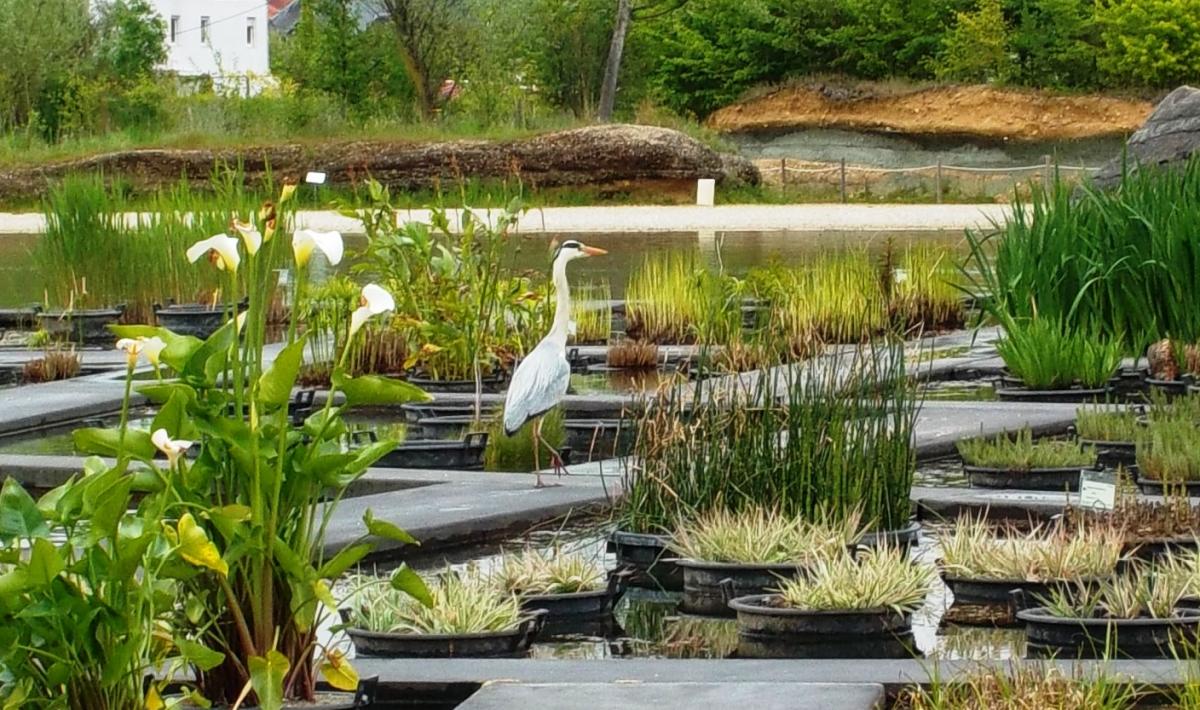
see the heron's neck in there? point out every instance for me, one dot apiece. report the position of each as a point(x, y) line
point(562, 309)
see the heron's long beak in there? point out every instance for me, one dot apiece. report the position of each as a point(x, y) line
point(593, 251)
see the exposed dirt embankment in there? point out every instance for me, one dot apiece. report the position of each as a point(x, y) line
point(960, 111)
point(593, 156)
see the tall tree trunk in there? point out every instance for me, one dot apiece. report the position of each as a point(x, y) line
point(612, 68)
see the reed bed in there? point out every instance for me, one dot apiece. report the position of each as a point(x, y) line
point(1045, 353)
point(877, 578)
point(1024, 453)
point(974, 549)
point(551, 572)
point(671, 298)
point(836, 298)
point(831, 436)
point(1120, 263)
point(759, 536)
point(463, 603)
point(591, 307)
point(928, 290)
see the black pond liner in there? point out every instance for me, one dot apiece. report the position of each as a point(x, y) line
point(1049, 635)
point(1113, 454)
point(648, 559)
point(195, 319)
point(905, 538)
point(1155, 487)
point(579, 612)
point(1072, 395)
point(766, 630)
point(87, 326)
point(1037, 479)
point(19, 318)
point(708, 586)
point(491, 383)
point(513, 643)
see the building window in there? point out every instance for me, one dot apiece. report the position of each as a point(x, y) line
point(250, 31)
point(174, 27)
point(204, 36)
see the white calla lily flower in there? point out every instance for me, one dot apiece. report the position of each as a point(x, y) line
point(132, 348)
point(152, 348)
point(305, 240)
point(221, 249)
point(251, 237)
point(172, 448)
point(375, 300)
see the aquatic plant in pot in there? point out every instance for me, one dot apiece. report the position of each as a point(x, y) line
point(1021, 462)
point(592, 313)
point(1168, 456)
point(1149, 528)
point(734, 554)
point(982, 563)
point(846, 606)
point(575, 591)
point(1171, 366)
point(262, 490)
point(1134, 615)
point(463, 615)
point(1053, 362)
point(1111, 432)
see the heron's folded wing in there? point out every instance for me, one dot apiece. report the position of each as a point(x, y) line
point(538, 384)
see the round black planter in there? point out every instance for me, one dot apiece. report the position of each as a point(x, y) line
point(1171, 388)
point(905, 538)
point(1154, 487)
point(194, 319)
point(19, 318)
point(1038, 479)
point(708, 586)
point(1013, 594)
point(647, 557)
point(415, 412)
point(766, 630)
point(1113, 454)
point(1049, 635)
point(577, 613)
point(89, 327)
point(463, 455)
point(513, 643)
point(491, 383)
point(1075, 394)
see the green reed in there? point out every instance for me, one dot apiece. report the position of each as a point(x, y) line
point(832, 435)
point(515, 453)
point(671, 298)
point(1169, 450)
point(1097, 424)
point(591, 311)
point(1023, 453)
point(1045, 353)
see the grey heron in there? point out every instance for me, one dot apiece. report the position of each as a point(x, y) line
point(541, 379)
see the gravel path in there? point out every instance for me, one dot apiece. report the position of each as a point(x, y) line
point(723, 218)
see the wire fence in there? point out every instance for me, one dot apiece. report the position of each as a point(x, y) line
point(848, 178)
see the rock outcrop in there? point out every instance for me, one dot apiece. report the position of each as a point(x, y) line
point(1168, 137)
point(595, 155)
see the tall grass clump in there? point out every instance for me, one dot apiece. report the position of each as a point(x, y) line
point(974, 549)
point(1119, 263)
point(1096, 424)
point(1169, 451)
point(1024, 686)
point(1148, 591)
point(760, 536)
point(831, 436)
point(465, 603)
point(551, 572)
point(837, 297)
point(1045, 353)
point(591, 307)
point(877, 578)
point(671, 298)
point(515, 453)
point(927, 290)
point(1023, 453)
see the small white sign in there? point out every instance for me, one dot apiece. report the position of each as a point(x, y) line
point(315, 178)
point(1097, 490)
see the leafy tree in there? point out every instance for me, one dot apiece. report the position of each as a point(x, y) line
point(42, 44)
point(131, 39)
point(875, 39)
point(1150, 42)
point(427, 37)
point(567, 42)
point(1053, 43)
point(977, 49)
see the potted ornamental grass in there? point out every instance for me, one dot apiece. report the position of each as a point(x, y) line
point(1168, 457)
point(1049, 361)
point(1149, 528)
point(1133, 615)
point(464, 615)
point(1112, 432)
point(982, 564)
point(575, 591)
point(1021, 462)
point(750, 551)
point(845, 606)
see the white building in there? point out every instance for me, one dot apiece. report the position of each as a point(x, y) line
point(222, 39)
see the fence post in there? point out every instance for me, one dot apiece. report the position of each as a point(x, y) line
point(1046, 174)
point(783, 173)
point(937, 182)
point(843, 180)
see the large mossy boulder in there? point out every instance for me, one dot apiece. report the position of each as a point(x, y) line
point(614, 154)
point(1168, 137)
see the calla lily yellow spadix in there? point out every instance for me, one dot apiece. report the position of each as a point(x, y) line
point(251, 237)
point(304, 241)
point(221, 249)
point(171, 448)
point(375, 300)
point(132, 348)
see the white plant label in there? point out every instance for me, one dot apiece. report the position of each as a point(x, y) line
point(315, 178)
point(1097, 490)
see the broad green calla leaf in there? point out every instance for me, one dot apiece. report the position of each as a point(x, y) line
point(404, 579)
point(338, 672)
point(161, 392)
point(19, 514)
point(375, 390)
point(266, 677)
point(384, 529)
point(346, 558)
point(45, 563)
point(173, 417)
point(198, 654)
point(275, 385)
point(196, 548)
point(107, 442)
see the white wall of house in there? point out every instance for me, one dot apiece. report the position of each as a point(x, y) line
point(223, 39)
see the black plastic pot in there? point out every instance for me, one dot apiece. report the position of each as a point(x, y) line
point(491, 383)
point(89, 327)
point(463, 455)
point(581, 612)
point(648, 560)
point(1038, 479)
point(709, 586)
point(415, 412)
point(1075, 394)
point(602, 438)
point(1171, 388)
point(767, 630)
point(513, 643)
point(1012, 594)
point(1154, 487)
point(1113, 454)
point(1049, 635)
point(905, 538)
point(19, 318)
point(196, 319)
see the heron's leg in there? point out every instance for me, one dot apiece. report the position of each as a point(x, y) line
point(555, 457)
point(537, 438)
